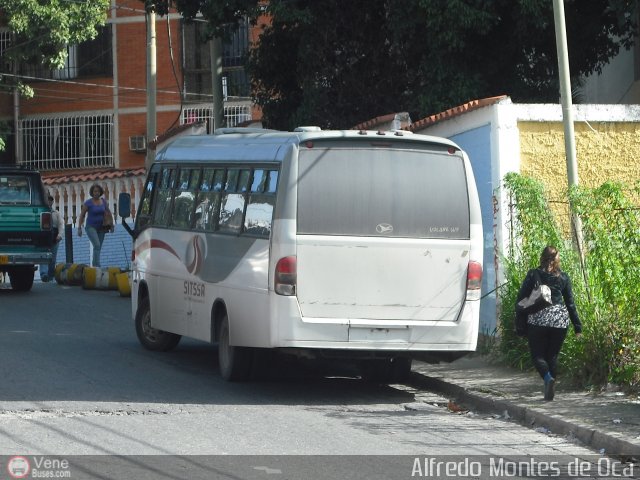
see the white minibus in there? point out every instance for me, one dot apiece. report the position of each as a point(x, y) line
point(359, 246)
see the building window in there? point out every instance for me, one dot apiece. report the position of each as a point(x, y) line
point(5, 43)
point(67, 142)
point(92, 58)
point(197, 64)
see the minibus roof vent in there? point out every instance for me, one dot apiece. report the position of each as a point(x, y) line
point(308, 129)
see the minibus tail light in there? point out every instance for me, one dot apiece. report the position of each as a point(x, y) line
point(474, 280)
point(285, 277)
point(45, 221)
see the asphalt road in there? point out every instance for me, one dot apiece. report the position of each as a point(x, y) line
point(76, 382)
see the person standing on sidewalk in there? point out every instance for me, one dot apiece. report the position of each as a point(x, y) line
point(547, 328)
point(47, 271)
point(95, 210)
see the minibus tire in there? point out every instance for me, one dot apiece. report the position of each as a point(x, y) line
point(388, 370)
point(234, 362)
point(400, 369)
point(152, 338)
point(21, 278)
point(376, 371)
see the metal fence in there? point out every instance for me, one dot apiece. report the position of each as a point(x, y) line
point(561, 212)
point(62, 143)
point(233, 115)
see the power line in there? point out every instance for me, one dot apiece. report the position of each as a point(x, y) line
point(87, 84)
point(103, 99)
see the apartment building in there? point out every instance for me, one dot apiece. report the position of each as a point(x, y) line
point(87, 121)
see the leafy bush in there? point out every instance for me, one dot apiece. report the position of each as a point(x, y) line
point(606, 279)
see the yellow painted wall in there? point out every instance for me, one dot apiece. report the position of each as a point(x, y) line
point(605, 151)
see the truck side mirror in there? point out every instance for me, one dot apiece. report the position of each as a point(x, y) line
point(124, 205)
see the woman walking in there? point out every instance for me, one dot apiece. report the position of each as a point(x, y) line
point(95, 209)
point(547, 328)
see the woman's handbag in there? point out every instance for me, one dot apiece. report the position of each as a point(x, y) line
point(107, 222)
point(538, 299)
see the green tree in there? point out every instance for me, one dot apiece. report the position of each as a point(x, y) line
point(218, 15)
point(334, 63)
point(42, 30)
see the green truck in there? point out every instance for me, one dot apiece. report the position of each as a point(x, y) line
point(26, 234)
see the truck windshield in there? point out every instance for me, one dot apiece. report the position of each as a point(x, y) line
point(15, 189)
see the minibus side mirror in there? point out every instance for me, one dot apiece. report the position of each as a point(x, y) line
point(124, 210)
point(124, 205)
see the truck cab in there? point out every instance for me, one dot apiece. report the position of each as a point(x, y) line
point(26, 234)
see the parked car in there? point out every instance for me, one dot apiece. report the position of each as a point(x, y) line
point(26, 234)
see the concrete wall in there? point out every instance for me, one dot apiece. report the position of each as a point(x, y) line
point(605, 150)
point(529, 138)
point(478, 141)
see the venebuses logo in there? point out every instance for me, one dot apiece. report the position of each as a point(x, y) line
point(38, 467)
point(18, 467)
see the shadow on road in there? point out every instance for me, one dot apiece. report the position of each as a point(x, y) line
point(62, 344)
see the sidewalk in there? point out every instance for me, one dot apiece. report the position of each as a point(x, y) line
point(608, 422)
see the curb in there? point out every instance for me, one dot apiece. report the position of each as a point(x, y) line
point(531, 418)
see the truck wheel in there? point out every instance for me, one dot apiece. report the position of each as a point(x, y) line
point(235, 362)
point(152, 338)
point(21, 278)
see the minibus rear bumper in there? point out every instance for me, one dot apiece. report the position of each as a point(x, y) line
point(409, 336)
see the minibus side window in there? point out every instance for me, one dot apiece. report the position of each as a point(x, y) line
point(208, 199)
point(162, 207)
point(144, 215)
point(233, 201)
point(218, 180)
point(262, 199)
point(184, 198)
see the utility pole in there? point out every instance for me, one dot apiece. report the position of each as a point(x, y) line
point(565, 92)
point(17, 150)
point(215, 52)
point(151, 82)
point(567, 116)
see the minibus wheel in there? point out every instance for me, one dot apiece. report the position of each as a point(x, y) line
point(152, 338)
point(388, 370)
point(235, 362)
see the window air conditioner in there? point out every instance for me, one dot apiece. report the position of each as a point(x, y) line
point(137, 143)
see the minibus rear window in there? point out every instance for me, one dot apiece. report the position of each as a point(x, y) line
point(382, 192)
